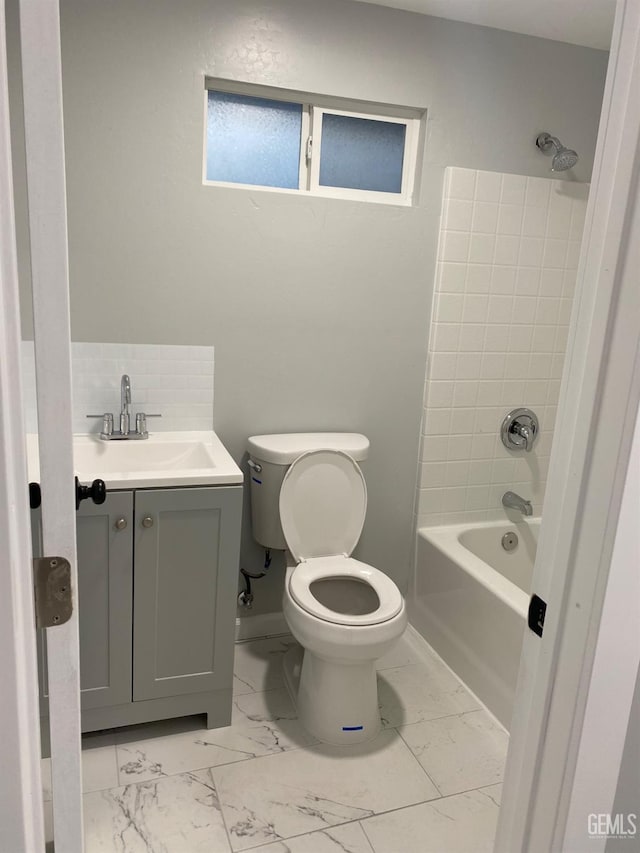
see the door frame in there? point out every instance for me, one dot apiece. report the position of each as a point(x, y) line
point(599, 401)
point(590, 457)
point(46, 195)
point(21, 812)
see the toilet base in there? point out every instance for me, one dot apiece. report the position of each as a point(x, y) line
point(336, 702)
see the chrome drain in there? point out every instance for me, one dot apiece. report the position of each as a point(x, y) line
point(510, 541)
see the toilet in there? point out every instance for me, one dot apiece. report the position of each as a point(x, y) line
point(309, 497)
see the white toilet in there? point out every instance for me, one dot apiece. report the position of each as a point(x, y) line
point(308, 496)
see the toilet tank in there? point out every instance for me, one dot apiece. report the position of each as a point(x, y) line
point(269, 459)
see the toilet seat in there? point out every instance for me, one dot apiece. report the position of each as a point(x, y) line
point(323, 503)
point(341, 566)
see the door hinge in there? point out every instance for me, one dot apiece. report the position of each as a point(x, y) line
point(535, 617)
point(52, 584)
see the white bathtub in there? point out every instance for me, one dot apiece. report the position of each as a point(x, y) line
point(470, 603)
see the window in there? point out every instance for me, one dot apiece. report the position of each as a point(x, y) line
point(272, 139)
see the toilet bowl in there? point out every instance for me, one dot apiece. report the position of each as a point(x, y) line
point(343, 612)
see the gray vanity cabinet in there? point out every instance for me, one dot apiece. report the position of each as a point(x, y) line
point(104, 543)
point(185, 594)
point(157, 587)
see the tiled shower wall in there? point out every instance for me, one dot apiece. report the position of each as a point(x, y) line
point(174, 381)
point(506, 273)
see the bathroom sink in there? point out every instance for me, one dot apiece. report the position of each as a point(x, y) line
point(164, 459)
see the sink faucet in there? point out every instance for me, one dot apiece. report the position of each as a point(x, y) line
point(108, 433)
point(513, 501)
point(125, 402)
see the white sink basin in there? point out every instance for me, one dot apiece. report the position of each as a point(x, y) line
point(164, 459)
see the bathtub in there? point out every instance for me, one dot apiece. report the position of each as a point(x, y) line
point(470, 603)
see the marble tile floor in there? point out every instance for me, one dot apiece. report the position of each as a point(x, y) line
point(429, 783)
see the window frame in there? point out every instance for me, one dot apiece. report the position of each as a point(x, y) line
point(408, 160)
point(313, 108)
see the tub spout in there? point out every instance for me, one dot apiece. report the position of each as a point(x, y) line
point(513, 501)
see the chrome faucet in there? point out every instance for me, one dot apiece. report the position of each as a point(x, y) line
point(108, 433)
point(513, 501)
point(125, 402)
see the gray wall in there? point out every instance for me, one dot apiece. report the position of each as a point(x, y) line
point(318, 308)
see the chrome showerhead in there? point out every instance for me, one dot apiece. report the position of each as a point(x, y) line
point(563, 159)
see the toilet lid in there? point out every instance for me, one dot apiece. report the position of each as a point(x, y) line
point(379, 600)
point(323, 502)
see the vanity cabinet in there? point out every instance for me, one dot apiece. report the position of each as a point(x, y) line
point(157, 586)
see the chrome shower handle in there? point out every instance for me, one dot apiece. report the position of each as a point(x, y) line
point(519, 430)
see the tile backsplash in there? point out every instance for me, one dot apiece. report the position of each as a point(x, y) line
point(507, 259)
point(174, 381)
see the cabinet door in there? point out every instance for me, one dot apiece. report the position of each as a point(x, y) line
point(185, 585)
point(105, 587)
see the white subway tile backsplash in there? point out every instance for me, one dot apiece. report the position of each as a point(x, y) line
point(505, 281)
point(174, 381)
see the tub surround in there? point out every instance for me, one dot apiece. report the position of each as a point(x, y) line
point(507, 259)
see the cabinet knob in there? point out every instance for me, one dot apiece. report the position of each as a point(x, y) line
point(147, 521)
point(121, 523)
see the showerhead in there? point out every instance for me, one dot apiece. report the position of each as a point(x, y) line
point(563, 159)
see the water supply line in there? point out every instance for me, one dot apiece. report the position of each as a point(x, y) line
point(245, 598)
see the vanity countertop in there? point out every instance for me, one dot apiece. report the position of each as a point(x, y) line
point(165, 459)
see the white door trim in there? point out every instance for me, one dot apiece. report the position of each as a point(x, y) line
point(44, 143)
point(613, 680)
point(598, 405)
point(21, 820)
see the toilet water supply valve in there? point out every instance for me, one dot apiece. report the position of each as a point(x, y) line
point(245, 598)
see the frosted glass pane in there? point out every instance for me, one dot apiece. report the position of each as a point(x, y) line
point(253, 140)
point(361, 153)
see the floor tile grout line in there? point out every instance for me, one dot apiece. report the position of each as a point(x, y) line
point(221, 810)
point(415, 757)
point(214, 766)
point(432, 719)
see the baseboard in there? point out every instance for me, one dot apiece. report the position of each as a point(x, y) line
point(255, 627)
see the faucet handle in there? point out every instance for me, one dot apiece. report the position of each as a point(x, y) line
point(107, 423)
point(519, 430)
point(141, 422)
